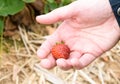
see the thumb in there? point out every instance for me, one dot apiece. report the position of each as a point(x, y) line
point(56, 15)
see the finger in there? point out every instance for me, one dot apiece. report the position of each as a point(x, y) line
point(48, 63)
point(64, 64)
point(75, 54)
point(56, 15)
point(74, 57)
point(83, 61)
point(45, 48)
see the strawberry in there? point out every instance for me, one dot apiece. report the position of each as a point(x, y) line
point(60, 50)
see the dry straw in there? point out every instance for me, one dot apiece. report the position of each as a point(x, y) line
point(21, 65)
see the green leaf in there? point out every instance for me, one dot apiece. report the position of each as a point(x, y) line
point(53, 6)
point(1, 25)
point(10, 7)
point(65, 2)
point(46, 9)
point(51, 1)
point(28, 1)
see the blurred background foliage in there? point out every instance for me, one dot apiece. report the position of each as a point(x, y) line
point(23, 12)
point(52, 4)
point(9, 8)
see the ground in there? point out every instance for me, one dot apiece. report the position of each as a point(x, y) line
point(19, 63)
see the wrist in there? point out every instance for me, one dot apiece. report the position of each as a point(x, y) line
point(115, 5)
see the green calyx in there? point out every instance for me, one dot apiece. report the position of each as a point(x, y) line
point(62, 42)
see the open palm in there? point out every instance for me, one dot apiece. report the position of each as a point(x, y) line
point(88, 35)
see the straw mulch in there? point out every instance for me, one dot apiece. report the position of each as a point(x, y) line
point(20, 65)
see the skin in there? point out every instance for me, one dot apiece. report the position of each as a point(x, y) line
point(88, 27)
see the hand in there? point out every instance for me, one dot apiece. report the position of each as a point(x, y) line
point(89, 28)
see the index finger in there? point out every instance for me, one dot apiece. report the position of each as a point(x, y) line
point(45, 48)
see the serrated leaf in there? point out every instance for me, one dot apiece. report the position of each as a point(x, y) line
point(28, 1)
point(10, 7)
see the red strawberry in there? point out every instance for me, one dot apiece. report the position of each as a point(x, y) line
point(60, 51)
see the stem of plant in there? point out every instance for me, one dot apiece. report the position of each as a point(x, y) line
point(1, 41)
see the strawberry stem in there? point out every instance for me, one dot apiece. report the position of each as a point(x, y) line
point(62, 42)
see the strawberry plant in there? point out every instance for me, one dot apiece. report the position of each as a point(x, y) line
point(9, 7)
point(11, 12)
point(52, 4)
